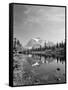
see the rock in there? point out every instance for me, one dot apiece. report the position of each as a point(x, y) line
point(58, 69)
point(58, 79)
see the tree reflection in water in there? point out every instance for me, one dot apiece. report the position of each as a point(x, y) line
point(39, 69)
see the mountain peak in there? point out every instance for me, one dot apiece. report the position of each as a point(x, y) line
point(37, 39)
point(34, 42)
point(37, 42)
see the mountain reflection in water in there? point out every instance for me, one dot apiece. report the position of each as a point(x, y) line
point(41, 69)
point(49, 69)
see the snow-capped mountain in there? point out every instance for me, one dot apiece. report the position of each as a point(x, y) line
point(34, 43)
point(37, 42)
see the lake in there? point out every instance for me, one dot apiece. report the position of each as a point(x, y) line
point(40, 69)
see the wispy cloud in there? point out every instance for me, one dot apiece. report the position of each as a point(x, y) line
point(41, 15)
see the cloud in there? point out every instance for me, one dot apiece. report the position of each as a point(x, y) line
point(41, 15)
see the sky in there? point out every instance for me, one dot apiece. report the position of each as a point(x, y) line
point(45, 22)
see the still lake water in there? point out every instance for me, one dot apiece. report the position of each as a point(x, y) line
point(49, 69)
point(45, 70)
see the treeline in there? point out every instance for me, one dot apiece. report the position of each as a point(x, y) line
point(57, 50)
point(17, 46)
point(45, 47)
